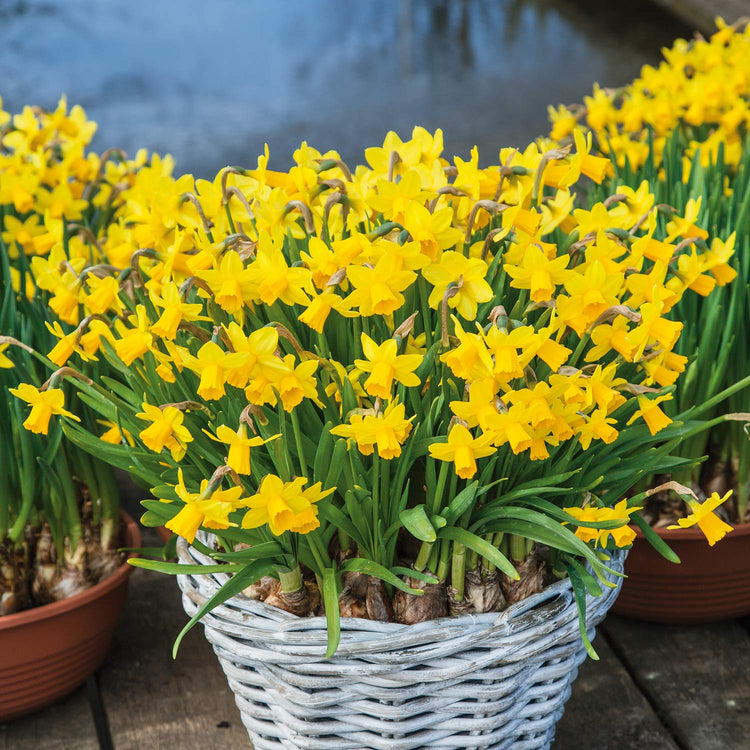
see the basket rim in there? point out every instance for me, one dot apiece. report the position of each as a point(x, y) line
point(515, 618)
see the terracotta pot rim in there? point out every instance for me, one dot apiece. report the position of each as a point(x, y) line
point(47, 611)
point(693, 533)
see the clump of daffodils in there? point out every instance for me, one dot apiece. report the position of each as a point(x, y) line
point(59, 514)
point(417, 387)
point(701, 88)
point(680, 132)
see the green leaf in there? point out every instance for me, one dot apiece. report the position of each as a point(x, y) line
point(338, 457)
point(340, 520)
point(481, 547)
point(370, 568)
point(323, 454)
point(557, 536)
point(654, 539)
point(417, 523)
point(333, 616)
point(460, 503)
point(256, 552)
point(438, 522)
point(237, 583)
point(426, 577)
point(165, 511)
point(579, 592)
point(177, 569)
point(151, 519)
point(592, 585)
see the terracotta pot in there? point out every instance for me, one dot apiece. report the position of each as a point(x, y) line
point(711, 583)
point(164, 533)
point(48, 651)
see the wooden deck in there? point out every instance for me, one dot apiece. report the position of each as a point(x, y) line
point(655, 688)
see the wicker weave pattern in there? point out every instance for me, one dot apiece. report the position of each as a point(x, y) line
point(496, 680)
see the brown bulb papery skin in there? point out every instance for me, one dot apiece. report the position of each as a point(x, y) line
point(456, 607)
point(378, 604)
point(531, 571)
point(261, 589)
point(46, 572)
point(14, 590)
point(483, 590)
point(71, 581)
point(410, 608)
point(353, 596)
point(482, 593)
point(305, 602)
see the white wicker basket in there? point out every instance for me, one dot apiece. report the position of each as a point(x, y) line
point(497, 680)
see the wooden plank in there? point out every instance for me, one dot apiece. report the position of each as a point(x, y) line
point(157, 703)
point(607, 711)
point(66, 724)
point(697, 677)
point(700, 14)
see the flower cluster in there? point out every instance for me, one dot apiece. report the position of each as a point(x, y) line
point(56, 199)
point(308, 361)
point(701, 87)
point(680, 132)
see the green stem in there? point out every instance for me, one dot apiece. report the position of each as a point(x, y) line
point(443, 565)
point(458, 570)
point(291, 580)
point(432, 563)
point(423, 557)
point(437, 500)
point(298, 442)
point(578, 350)
point(717, 399)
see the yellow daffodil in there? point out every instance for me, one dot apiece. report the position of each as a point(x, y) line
point(133, 342)
point(102, 295)
point(239, 446)
point(113, 434)
point(467, 275)
point(590, 514)
point(174, 311)
point(622, 536)
point(703, 515)
point(5, 362)
point(165, 431)
point(387, 431)
point(385, 365)
point(274, 279)
point(284, 506)
point(203, 508)
point(213, 364)
point(653, 416)
point(298, 383)
point(43, 405)
point(231, 283)
point(433, 231)
point(463, 449)
point(539, 274)
point(377, 291)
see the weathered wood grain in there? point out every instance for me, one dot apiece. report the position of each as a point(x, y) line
point(606, 710)
point(697, 677)
point(62, 726)
point(157, 703)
